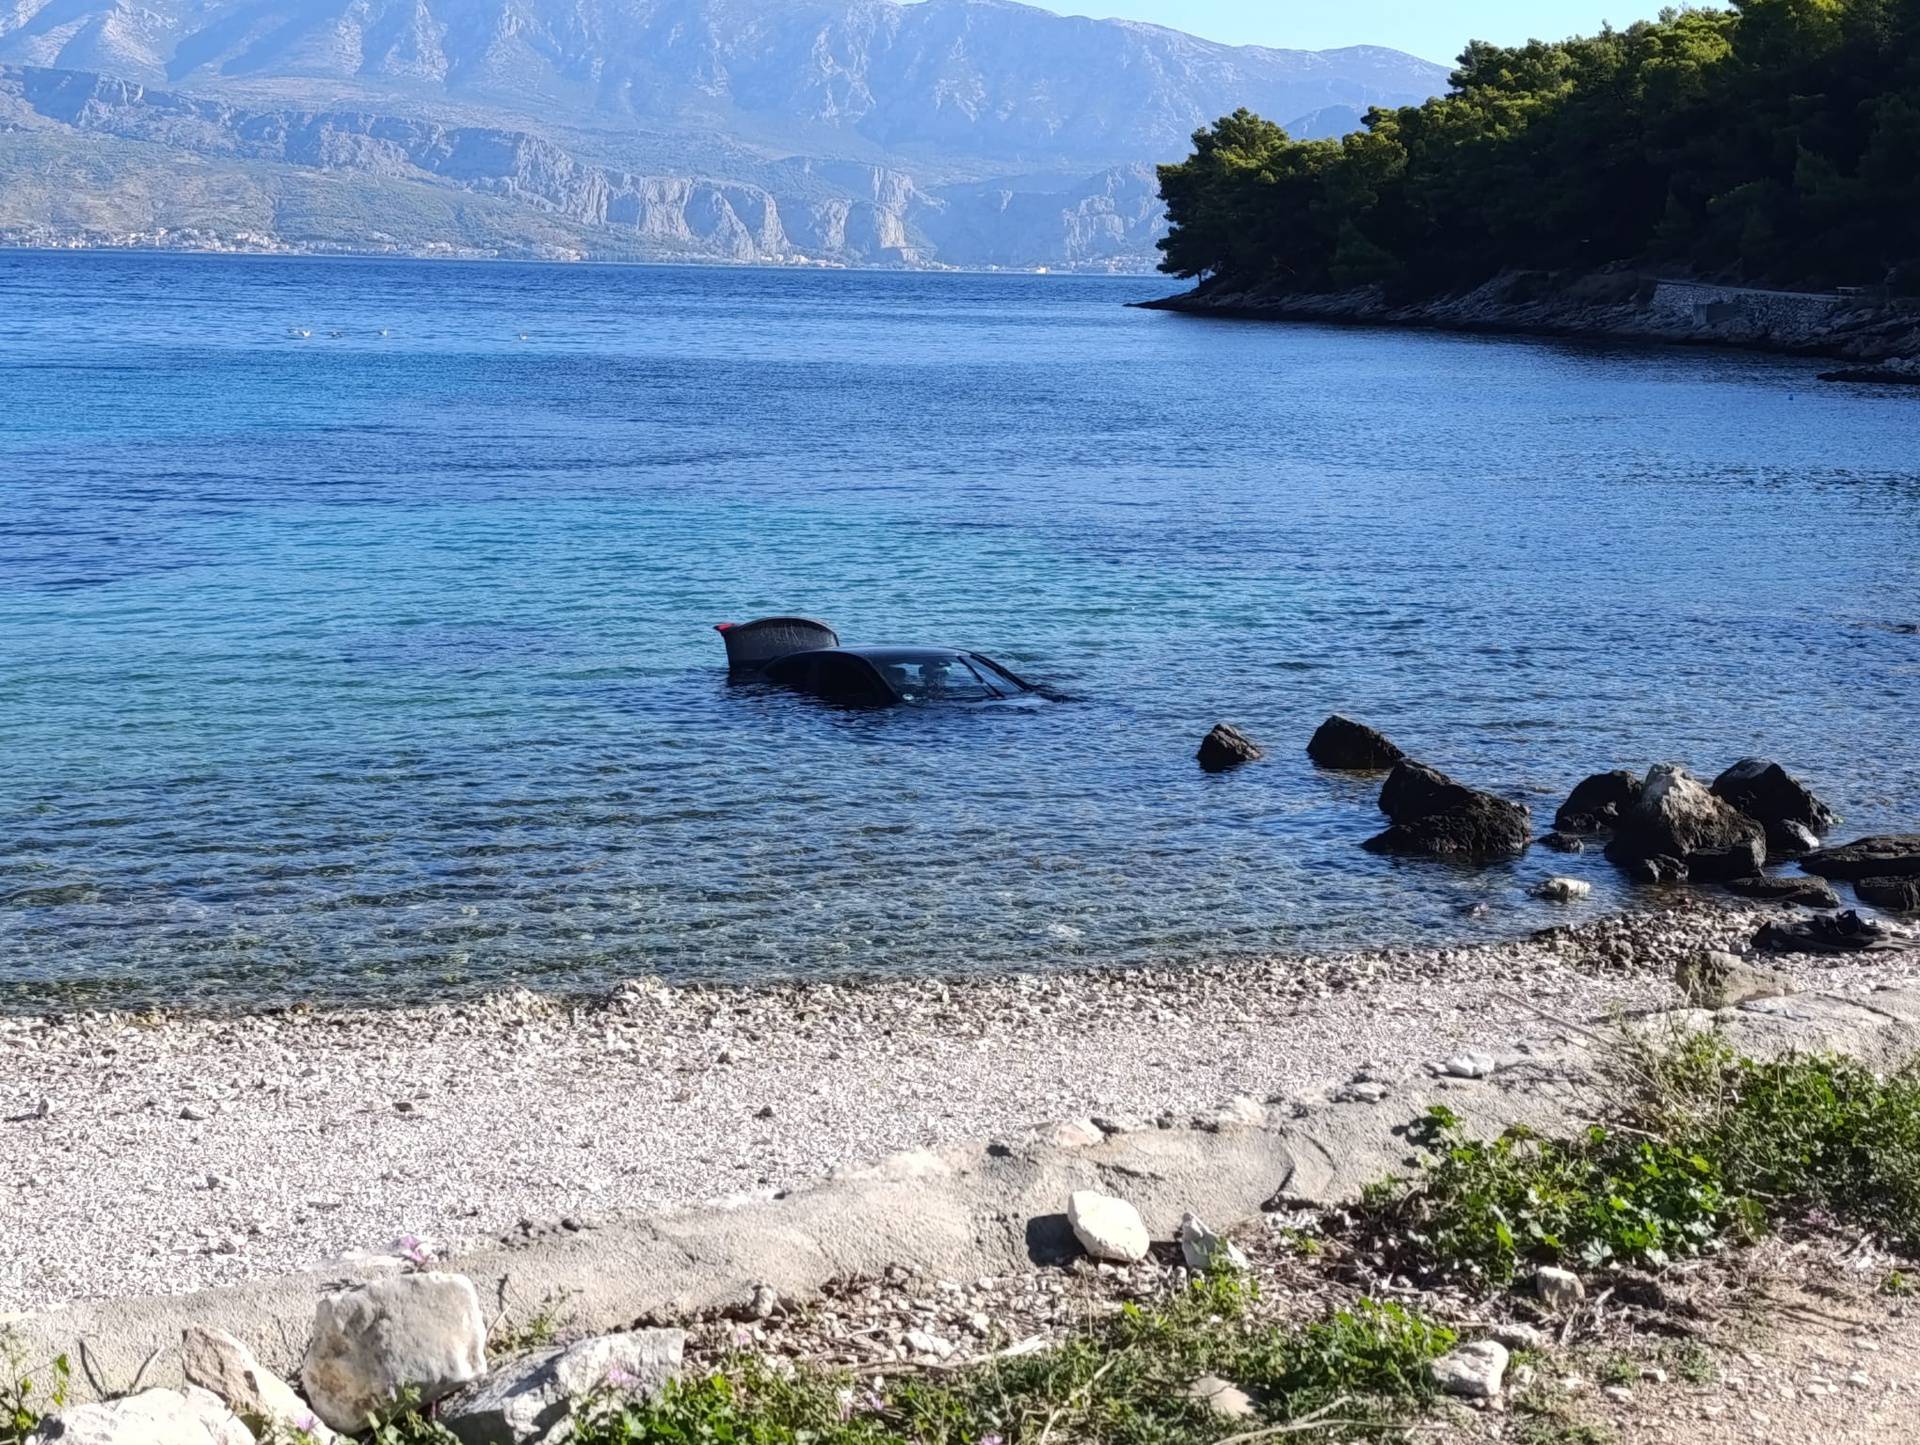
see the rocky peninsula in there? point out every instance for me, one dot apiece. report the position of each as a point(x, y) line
point(1881, 335)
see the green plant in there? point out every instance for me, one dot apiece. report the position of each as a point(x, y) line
point(1122, 1381)
point(20, 1411)
point(536, 1331)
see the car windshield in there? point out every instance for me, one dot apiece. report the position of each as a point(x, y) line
point(940, 677)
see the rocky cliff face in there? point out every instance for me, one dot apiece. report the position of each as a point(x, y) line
point(962, 132)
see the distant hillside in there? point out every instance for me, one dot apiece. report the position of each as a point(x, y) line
point(963, 132)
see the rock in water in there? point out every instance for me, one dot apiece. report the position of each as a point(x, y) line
point(1204, 1251)
point(1563, 890)
point(1888, 855)
point(222, 1364)
point(1474, 1371)
point(152, 1417)
point(1724, 980)
point(1563, 842)
point(1677, 817)
point(1826, 933)
point(1900, 895)
point(1107, 1228)
point(1435, 817)
point(1558, 1289)
point(1227, 747)
point(1793, 818)
point(1352, 747)
point(415, 1333)
point(1804, 892)
point(525, 1398)
point(1596, 802)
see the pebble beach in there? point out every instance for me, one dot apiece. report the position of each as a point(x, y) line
point(161, 1153)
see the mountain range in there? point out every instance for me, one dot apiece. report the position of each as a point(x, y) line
point(867, 132)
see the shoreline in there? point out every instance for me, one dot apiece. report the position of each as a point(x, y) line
point(157, 1154)
point(1599, 307)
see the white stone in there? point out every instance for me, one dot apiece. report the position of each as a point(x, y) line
point(1072, 1134)
point(1472, 1371)
point(1517, 1335)
point(420, 1334)
point(1563, 890)
point(153, 1417)
point(1107, 1228)
point(525, 1398)
point(1558, 1289)
point(224, 1365)
point(1469, 1065)
point(1223, 1397)
point(923, 1343)
point(1205, 1251)
point(1367, 1091)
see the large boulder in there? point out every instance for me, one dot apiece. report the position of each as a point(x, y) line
point(1793, 818)
point(224, 1365)
point(1352, 747)
point(1800, 891)
point(1844, 932)
point(414, 1335)
point(1434, 817)
point(1717, 980)
point(152, 1417)
point(1596, 802)
point(1898, 895)
point(525, 1398)
point(1227, 747)
point(1677, 817)
point(1887, 855)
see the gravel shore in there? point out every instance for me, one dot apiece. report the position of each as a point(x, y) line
point(147, 1153)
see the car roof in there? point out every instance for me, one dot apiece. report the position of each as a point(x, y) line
point(898, 653)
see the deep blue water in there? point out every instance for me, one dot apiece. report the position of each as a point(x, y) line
point(381, 664)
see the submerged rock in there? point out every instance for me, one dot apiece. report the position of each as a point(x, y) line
point(1563, 842)
point(1596, 802)
point(1435, 817)
point(1886, 855)
point(418, 1334)
point(1227, 747)
point(1719, 980)
point(1900, 895)
point(1792, 816)
point(1677, 817)
point(1349, 746)
point(1108, 1228)
point(1804, 892)
point(1563, 890)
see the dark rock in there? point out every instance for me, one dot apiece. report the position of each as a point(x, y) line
point(1805, 892)
point(1888, 855)
point(1342, 743)
point(1596, 803)
point(1826, 933)
point(1226, 747)
point(1901, 895)
point(1435, 817)
point(1658, 869)
point(1676, 817)
point(1793, 818)
point(1563, 843)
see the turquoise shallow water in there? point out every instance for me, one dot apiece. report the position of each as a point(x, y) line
point(374, 666)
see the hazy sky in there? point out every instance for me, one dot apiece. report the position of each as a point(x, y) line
point(1436, 29)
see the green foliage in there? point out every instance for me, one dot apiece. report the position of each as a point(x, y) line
point(22, 1400)
point(1123, 1382)
point(1714, 1147)
point(1779, 141)
point(1485, 1207)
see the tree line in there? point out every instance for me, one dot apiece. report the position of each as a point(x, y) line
point(1774, 143)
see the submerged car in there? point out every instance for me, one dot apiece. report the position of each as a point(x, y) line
point(806, 655)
